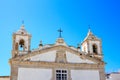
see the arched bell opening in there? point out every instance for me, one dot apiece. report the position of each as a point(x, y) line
point(95, 49)
point(21, 45)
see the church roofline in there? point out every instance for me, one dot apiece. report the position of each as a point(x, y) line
point(79, 53)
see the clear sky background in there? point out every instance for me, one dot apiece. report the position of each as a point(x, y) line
point(44, 17)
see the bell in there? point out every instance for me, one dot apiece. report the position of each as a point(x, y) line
point(21, 46)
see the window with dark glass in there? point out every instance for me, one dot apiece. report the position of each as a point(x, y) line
point(61, 74)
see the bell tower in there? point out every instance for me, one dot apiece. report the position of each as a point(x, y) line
point(92, 45)
point(21, 42)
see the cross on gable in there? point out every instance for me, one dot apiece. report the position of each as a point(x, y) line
point(60, 32)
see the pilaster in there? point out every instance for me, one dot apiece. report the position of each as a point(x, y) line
point(14, 72)
point(102, 74)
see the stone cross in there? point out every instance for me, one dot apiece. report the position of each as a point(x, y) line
point(60, 32)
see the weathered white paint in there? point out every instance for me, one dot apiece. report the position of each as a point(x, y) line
point(85, 47)
point(34, 74)
point(49, 57)
point(72, 58)
point(85, 75)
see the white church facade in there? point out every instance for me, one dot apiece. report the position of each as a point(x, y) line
point(58, 61)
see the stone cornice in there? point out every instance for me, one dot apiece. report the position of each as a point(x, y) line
point(32, 64)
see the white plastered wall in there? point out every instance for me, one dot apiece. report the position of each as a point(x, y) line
point(34, 74)
point(85, 75)
point(85, 47)
point(49, 57)
point(73, 58)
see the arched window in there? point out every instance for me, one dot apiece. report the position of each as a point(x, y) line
point(95, 49)
point(21, 44)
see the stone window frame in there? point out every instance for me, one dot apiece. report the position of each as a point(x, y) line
point(62, 74)
point(54, 73)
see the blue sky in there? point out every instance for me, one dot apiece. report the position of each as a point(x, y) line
point(44, 17)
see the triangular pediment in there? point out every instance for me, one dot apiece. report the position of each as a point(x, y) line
point(49, 55)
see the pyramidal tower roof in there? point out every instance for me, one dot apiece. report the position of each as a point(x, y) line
point(22, 30)
point(90, 36)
